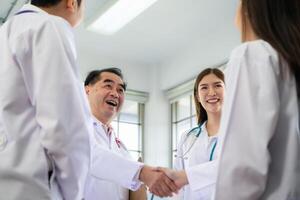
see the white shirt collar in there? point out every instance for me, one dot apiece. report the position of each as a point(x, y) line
point(98, 124)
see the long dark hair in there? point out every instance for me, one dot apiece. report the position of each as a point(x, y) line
point(200, 111)
point(278, 23)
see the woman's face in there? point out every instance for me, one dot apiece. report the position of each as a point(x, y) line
point(211, 93)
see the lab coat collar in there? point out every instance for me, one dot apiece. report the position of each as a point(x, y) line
point(41, 11)
point(34, 8)
point(98, 124)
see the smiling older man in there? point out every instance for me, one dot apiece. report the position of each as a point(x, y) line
point(105, 90)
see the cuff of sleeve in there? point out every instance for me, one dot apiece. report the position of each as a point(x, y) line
point(136, 183)
point(202, 175)
point(109, 166)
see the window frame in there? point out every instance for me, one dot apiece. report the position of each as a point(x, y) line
point(140, 98)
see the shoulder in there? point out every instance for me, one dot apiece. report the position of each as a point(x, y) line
point(41, 21)
point(258, 49)
point(255, 56)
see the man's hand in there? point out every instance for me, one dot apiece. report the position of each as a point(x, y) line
point(179, 177)
point(158, 182)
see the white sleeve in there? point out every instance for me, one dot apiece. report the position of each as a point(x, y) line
point(110, 166)
point(202, 175)
point(50, 74)
point(248, 121)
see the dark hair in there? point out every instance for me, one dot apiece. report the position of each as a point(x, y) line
point(200, 111)
point(95, 76)
point(278, 23)
point(48, 3)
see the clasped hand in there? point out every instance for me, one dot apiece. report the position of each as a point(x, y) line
point(162, 182)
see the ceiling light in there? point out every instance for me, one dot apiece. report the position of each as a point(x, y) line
point(118, 15)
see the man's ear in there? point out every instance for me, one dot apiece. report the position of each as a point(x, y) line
point(71, 5)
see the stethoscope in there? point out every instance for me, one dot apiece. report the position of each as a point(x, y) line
point(196, 134)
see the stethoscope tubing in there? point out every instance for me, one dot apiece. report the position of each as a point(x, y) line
point(183, 156)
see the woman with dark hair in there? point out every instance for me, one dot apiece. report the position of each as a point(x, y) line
point(260, 151)
point(196, 157)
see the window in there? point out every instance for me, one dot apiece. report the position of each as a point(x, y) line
point(183, 119)
point(129, 124)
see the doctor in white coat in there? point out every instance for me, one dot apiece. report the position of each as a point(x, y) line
point(196, 151)
point(45, 119)
point(105, 90)
point(260, 154)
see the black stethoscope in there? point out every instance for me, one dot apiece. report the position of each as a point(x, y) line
point(196, 132)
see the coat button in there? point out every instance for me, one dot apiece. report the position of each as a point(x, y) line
point(3, 141)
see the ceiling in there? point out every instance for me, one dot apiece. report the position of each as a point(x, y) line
point(163, 32)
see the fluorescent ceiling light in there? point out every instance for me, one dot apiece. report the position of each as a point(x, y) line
point(118, 15)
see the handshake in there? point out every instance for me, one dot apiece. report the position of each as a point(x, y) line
point(163, 182)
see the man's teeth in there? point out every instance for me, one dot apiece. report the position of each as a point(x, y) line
point(112, 103)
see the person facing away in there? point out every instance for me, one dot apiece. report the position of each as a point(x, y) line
point(196, 156)
point(260, 153)
point(44, 150)
point(45, 121)
point(105, 90)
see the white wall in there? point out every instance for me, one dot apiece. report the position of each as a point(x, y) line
point(187, 65)
point(137, 75)
point(157, 120)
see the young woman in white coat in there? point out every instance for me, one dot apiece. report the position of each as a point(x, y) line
point(196, 155)
point(260, 154)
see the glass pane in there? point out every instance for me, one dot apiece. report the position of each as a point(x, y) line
point(129, 112)
point(193, 105)
point(174, 153)
point(129, 134)
point(183, 108)
point(135, 155)
point(194, 121)
point(114, 124)
point(174, 137)
point(182, 127)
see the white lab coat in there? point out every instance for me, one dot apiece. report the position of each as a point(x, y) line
point(260, 153)
point(44, 115)
point(45, 121)
point(96, 188)
point(200, 171)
